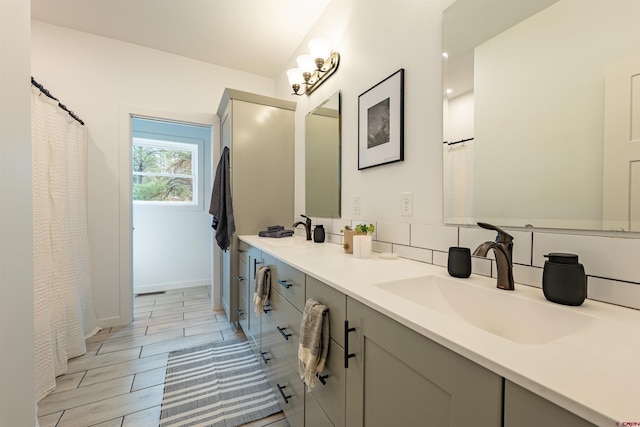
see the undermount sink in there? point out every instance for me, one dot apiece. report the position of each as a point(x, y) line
point(499, 312)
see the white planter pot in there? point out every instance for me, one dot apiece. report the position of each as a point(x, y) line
point(362, 246)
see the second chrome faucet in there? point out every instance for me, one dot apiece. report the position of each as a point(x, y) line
point(503, 250)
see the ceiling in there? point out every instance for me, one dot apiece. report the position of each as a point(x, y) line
point(256, 36)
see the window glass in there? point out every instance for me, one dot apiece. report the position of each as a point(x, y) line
point(164, 172)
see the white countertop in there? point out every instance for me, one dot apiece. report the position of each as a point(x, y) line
point(593, 372)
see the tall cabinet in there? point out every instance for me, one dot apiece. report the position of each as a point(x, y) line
point(259, 132)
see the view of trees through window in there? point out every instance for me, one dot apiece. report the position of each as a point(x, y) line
point(163, 172)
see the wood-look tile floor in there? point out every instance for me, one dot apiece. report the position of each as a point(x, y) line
point(120, 380)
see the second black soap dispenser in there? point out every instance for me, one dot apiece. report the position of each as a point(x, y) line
point(563, 279)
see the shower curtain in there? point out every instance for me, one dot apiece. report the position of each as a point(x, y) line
point(64, 313)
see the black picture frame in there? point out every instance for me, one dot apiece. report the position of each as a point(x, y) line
point(381, 123)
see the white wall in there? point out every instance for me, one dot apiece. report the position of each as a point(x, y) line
point(375, 39)
point(99, 78)
point(17, 393)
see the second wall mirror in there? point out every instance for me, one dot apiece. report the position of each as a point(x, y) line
point(323, 159)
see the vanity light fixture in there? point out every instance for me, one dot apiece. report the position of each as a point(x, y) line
point(313, 68)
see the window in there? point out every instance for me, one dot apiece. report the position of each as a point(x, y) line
point(164, 172)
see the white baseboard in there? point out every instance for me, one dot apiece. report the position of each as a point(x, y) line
point(159, 287)
point(108, 322)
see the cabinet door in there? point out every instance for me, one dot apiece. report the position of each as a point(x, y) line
point(335, 301)
point(523, 408)
point(254, 260)
point(225, 289)
point(399, 377)
point(314, 416)
point(243, 296)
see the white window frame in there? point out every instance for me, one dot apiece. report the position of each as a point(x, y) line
point(195, 169)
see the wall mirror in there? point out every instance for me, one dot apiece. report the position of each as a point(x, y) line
point(322, 159)
point(542, 113)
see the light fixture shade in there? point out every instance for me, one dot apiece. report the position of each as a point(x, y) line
point(295, 76)
point(319, 48)
point(306, 63)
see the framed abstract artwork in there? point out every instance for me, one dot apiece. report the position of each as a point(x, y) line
point(381, 122)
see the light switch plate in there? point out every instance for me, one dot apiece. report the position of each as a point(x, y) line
point(406, 203)
point(356, 205)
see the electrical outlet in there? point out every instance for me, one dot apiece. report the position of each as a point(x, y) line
point(356, 205)
point(407, 203)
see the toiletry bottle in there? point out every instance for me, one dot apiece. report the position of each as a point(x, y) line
point(318, 234)
point(563, 279)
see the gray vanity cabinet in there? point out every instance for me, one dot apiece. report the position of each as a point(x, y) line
point(259, 132)
point(399, 377)
point(523, 408)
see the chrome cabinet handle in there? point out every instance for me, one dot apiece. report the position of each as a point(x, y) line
point(240, 278)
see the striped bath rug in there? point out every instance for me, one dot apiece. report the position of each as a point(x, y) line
point(218, 384)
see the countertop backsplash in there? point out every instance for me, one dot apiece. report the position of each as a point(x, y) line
point(610, 261)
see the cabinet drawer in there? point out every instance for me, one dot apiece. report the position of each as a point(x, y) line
point(314, 416)
point(243, 251)
point(290, 282)
point(335, 301)
point(273, 364)
point(288, 385)
point(331, 396)
point(268, 332)
point(286, 328)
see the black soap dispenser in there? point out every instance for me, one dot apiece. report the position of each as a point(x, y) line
point(563, 279)
point(318, 234)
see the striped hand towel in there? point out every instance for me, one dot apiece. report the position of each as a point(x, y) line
point(261, 289)
point(314, 342)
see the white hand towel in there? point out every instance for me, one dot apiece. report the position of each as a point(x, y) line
point(261, 289)
point(314, 342)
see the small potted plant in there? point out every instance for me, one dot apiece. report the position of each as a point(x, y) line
point(360, 229)
point(365, 229)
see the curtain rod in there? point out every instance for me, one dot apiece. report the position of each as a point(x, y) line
point(458, 142)
point(48, 94)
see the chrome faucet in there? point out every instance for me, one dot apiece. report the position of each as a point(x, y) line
point(307, 225)
point(503, 250)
